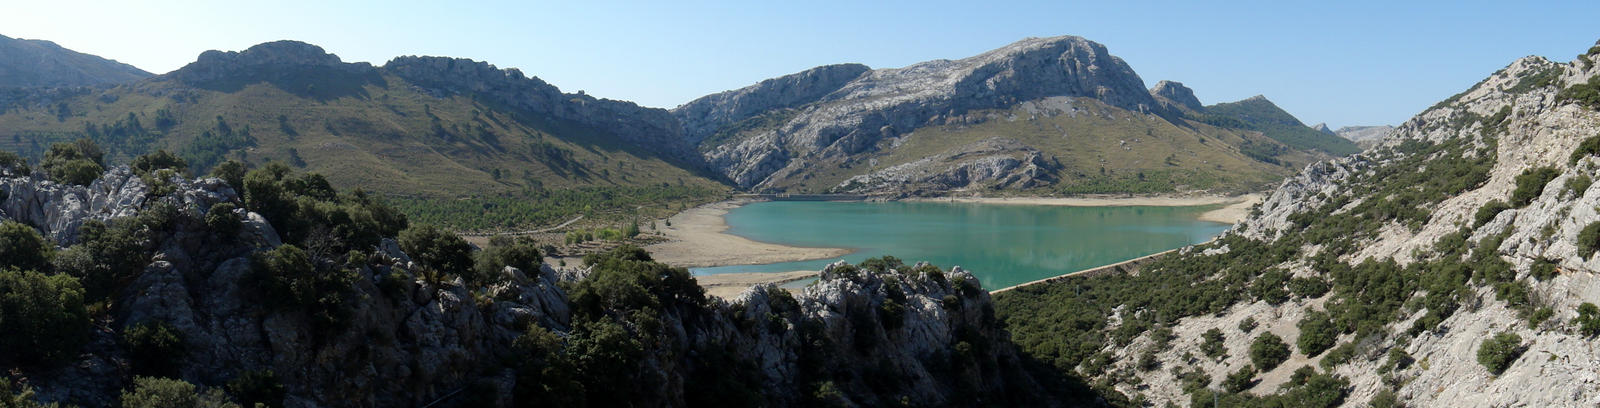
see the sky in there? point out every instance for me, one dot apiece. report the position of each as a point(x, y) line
point(1339, 62)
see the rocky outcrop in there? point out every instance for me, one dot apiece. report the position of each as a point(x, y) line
point(887, 103)
point(915, 334)
point(995, 163)
point(292, 65)
point(1523, 125)
point(43, 64)
point(1365, 136)
point(1177, 96)
point(653, 130)
point(705, 116)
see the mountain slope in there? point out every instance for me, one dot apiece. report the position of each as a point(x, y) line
point(1258, 113)
point(1451, 265)
point(39, 63)
point(428, 128)
point(1043, 114)
point(1365, 136)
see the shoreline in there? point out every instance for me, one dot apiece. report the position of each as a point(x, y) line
point(698, 236)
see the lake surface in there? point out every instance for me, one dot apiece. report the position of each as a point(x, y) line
point(1003, 245)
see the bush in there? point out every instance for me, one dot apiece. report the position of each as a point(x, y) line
point(1385, 399)
point(155, 347)
point(1240, 380)
point(1211, 344)
point(1586, 94)
point(148, 164)
point(1589, 239)
point(1499, 352)
point(12, 165)
point(21, 247)
point(1488, 211)
point(521, 253)
point(1579, 184)
point(231, 172)
point(43, 315)
point(439, 250)
point(1309, 287)
point(1543, 269)
point(1248, 325)
point(1268, 351)
point(257, 388)
point(1588, 319)
point(151, 392)
point(1317, 333)
point(290, 281)
point(108, 255)
point(78, 163)
point(1530, 184)
point(1337, 356)
point(222, 220)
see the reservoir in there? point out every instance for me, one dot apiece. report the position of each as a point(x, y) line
point(1001, 244)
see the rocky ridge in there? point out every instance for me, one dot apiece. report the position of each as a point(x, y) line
point(1365, 136)
point(410, 342)
point(39, 63)
point(1516, 116)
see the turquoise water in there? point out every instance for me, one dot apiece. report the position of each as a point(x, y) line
point(1002, 245)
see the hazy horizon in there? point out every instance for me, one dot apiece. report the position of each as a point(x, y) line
point(1352, 64)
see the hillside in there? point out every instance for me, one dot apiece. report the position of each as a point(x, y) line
point(38, 63)
point(426, 130)
point(1452, 265)
point(1259, 114)
point(1365, 136)
point(282, 293)
point(1043, 115)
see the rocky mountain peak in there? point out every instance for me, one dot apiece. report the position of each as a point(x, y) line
point(1177, 94)
point(288, 64)
point(1323, 127)
point(702, 117)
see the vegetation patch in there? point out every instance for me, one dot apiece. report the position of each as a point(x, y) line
point(1498, 353)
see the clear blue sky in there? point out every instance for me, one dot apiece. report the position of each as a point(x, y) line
point(1344, 62)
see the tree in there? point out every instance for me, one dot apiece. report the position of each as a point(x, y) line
point(231, 172)
point(1212, 343)
point(152, 392)
point(41, 314)
point(22, 247)
point(155, 347)
point(1239, 380)
point(1268, 351)
point(1317, 333)
point(1498, 352)
point(522, 254)
point(160, 160)
point(78, 163)
point(437, 249)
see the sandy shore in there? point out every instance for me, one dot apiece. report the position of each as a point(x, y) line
point(698, 238)
point(728, 285)
point(1237, 206)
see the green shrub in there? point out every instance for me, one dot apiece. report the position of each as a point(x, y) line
point(1268, 351)
point(1588, 147)
point(1269, 287)
point(521, 253)
point(1488, 211)
point(1543, 269)
point(43, 315)
point(231, 172)
point(1338, 356)
point(1385, 399)
point(222, 220)
point(1248, 325)
point(1589, 239)
point(1586, 94)
point(1317, 333)
point(152, 392)
point(1579, 184)
point(148, 164)
point(1240, 380)
point(1530, 184)
point(306, 207)
point(109, 254)
point(78, 163)
point(12, 165)
point(1211, 343)
point(1499, 352)
point(1588, 319)
point(290, 281)
point(1309, 287)
point(257, 388)
point(439, 250)
point(23, 398)
point(155, 348)
point(1399, 359)
point(22, 247)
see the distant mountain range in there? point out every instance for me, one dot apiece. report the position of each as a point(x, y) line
point(39, 63)
point(1046, 115)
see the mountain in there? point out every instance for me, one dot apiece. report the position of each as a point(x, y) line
point(1365, 136)
point(1048, 115)
point(1258, 113)
point(1451, 264)
point(434, 132)
point(38, 63)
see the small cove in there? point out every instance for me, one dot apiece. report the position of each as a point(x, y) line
point(1002, 245)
